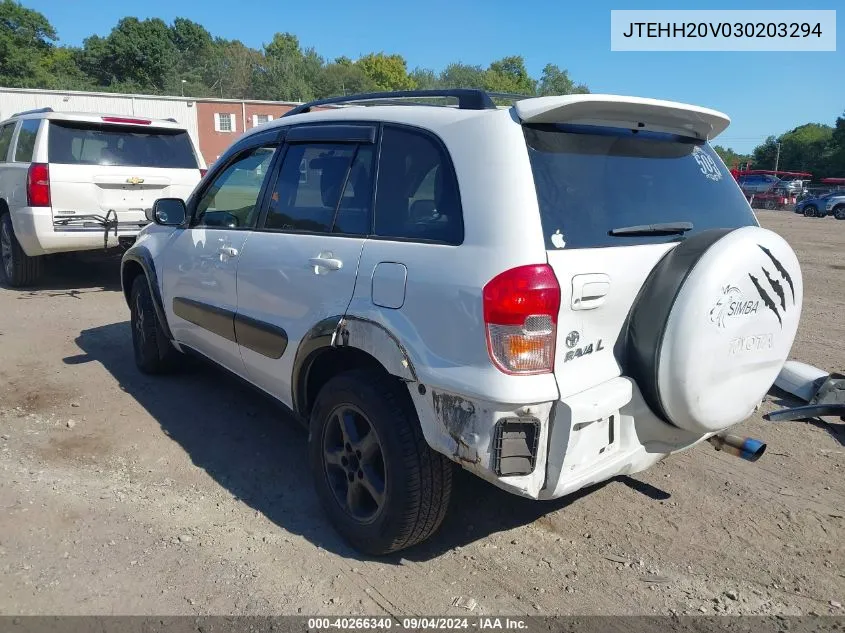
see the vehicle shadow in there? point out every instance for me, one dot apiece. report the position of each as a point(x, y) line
point(254, 448)
point(73, 275)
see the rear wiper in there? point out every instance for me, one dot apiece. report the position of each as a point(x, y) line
point(667, 228)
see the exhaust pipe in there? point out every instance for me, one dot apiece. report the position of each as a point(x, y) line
point(746, 448)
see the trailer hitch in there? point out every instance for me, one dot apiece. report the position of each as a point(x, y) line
point(109, 223)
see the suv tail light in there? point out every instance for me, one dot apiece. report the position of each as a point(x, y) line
point(520, 312)
point(38, 185)
point(203, 172)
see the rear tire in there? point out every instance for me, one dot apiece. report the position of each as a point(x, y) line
point(809, 211)
point(154, 354)
point(839, 212)
point(19, 269)
point(406, 486)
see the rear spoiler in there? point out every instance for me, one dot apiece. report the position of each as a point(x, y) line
point(625, 112)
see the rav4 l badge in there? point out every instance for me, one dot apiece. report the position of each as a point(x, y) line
point(134, 180)
point(583, 351)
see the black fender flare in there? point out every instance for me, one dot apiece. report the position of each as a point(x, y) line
point(347, 332)
point(141, 256)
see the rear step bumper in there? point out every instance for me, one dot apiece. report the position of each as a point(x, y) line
point(40, 234)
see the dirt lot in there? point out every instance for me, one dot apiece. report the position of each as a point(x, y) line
point(123, 494)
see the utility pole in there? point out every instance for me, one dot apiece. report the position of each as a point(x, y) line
point(777, 159)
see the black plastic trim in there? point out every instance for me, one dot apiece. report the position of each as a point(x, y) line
point(261, 337)
point(652, 307)
point(468, 99)
point(515, 442)
point(212, 318)
point(140, 255)
point(332, 133)
point(315, 341)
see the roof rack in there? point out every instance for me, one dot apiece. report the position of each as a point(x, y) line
point(468, 99)
point(36, 111)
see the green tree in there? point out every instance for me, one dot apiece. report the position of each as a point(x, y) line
point(836, 150)
point(136, 53)
point(459, 75)
point(424, 78)
point(337, 79)
point(555, 81)
point(26, 37)
point(509, 75)
point(730, 157)
point(387, 72)
point(806, 148)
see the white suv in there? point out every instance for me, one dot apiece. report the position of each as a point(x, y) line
point(548, 295)
point(75, 182)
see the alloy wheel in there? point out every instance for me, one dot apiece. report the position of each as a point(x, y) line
point(6, 250)
point(354, 463)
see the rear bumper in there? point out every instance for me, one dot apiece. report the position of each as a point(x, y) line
point(584, 439)
point(39, 234)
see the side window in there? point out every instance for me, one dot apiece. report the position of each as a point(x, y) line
point(323, 188)
point(231, 200)
point(5, 140)
point(26, 140)
point(417, 195)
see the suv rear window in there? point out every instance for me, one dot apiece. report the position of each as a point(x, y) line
point(73, 143)
point(590, 180)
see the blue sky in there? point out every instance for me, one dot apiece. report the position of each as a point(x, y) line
point(764, 93)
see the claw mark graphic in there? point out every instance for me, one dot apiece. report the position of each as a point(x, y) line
point(778, 288)
point(781, 270)
point(767, 300)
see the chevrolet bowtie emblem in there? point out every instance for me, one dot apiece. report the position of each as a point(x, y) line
point(134, 180)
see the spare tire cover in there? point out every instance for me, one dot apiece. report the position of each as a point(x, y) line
point(713, 325)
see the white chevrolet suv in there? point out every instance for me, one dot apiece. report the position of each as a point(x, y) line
point(76, 182)
point(548, 295)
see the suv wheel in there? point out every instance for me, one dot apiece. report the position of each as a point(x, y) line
point(382, 486)
point(153, 352)
point(839, 212)
point(19, 269)
point(809, 211)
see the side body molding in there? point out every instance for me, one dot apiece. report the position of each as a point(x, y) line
point(347, 332)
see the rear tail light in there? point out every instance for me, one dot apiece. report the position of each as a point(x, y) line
point(203, 172)
point(520, 312)
point(38, 185)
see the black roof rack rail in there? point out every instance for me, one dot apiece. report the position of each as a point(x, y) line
point(468, 99)
point(36, 111)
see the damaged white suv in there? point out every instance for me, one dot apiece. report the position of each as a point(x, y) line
point(549, 294)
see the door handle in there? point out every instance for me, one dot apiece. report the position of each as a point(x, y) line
point(327, 263)
point(228, 251)
point(589, 291)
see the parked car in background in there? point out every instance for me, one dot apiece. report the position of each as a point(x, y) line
point(757, 183)
point(813, 205)
point(77, 182)
point(835, 205)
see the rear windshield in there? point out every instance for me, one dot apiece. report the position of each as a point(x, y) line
point(73, 143)
point(591, 180)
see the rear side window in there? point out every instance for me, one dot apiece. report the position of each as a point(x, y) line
point(26, 140)
point(5, 140)
point(73, 143)
point(590, 180)
point(323, 188)
point(417, 194)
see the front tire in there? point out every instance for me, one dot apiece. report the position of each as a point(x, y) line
point(154, 354)
point(839, 212)
point(381, 485)
point(19, 269)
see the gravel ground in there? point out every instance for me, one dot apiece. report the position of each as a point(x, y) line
point(124, 494)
